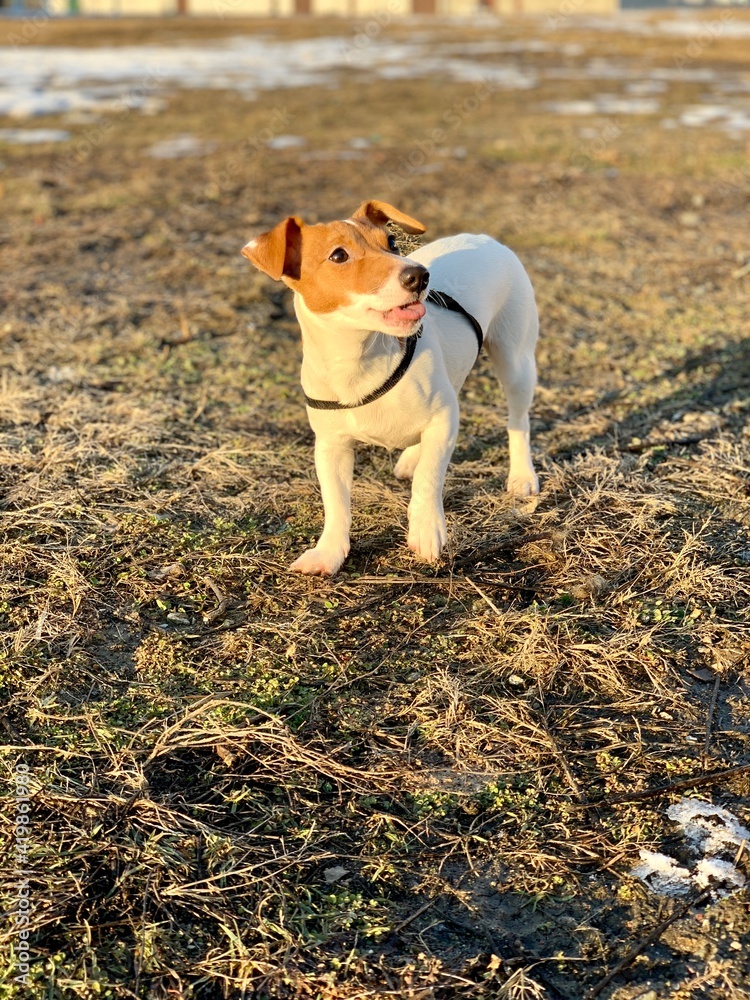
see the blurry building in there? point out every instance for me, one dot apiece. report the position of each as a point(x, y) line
point(379, 9)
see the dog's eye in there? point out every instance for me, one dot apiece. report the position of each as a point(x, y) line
point(339, 256)
point(392, 243)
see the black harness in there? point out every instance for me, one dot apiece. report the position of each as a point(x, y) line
point(410, 345)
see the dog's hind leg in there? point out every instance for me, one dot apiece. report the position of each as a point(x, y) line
point(517, 373)
point(407, 463)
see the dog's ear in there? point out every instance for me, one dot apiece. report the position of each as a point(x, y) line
point(279, 251)
point(379, 212)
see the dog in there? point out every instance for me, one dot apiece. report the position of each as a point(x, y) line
point(384, 358)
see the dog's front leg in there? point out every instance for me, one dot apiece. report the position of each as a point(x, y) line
point(334, 464)
point(427, 531)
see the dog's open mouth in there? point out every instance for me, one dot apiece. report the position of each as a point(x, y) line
point(404, 315)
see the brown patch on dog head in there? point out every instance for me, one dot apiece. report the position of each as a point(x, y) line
point(331, 264)
point(341, 261)
point(279, 251)
point(380, 212)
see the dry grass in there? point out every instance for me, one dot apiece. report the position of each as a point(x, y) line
point(252, 784)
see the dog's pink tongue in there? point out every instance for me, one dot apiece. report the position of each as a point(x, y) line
point(406, 314)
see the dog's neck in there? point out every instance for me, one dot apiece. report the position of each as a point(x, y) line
point(341, 363)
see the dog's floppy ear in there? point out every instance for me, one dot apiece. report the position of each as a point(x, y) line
point(379, 212)
point(279, 251)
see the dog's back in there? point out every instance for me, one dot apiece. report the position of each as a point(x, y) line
point(490, 282)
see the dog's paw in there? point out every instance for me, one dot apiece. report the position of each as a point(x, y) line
point(427, 536)
point(524, 484)
point(407, 463)
point(319, 562)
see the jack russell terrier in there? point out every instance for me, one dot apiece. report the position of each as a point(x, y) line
point(383, 360)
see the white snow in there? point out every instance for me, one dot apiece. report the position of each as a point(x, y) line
point(49, 80)
point(708, 831)
point(662, 874)
point(721, 25)
point(286, 142)
point(179, 146)
point(680, 23)
point(606, 104)
point(23, 136)
point(712, 870)
point(701, 114)
point(708, 827)
point(641, 87)
point(727, 118)
point(112, 82)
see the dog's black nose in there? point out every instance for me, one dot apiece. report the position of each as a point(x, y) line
point(414, 278)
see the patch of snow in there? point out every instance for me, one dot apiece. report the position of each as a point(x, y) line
point(708, 827)
point(610, 104)
point(727, 118)
point(721, 26)
point(712, 870)
point(573, 107)
point(641, 87)
point(179, 146)
point(286, 142)
point(662, 874)
point(606, 104)
point(695, 74)
point(681, 23)
point(737, 121)
point(733, 86)
point(57, 79)
point(26, 136)
point(708, 831)
point(702, 114)
point(113, 82)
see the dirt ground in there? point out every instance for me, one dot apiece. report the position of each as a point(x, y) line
point(406, 781)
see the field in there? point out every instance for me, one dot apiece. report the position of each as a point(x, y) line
point(406, 781)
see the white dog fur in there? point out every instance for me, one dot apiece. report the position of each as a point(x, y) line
point(351, 349)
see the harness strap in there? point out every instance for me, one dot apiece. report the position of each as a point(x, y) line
point(447, 302)
point(410, 345)
point(393, 379)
